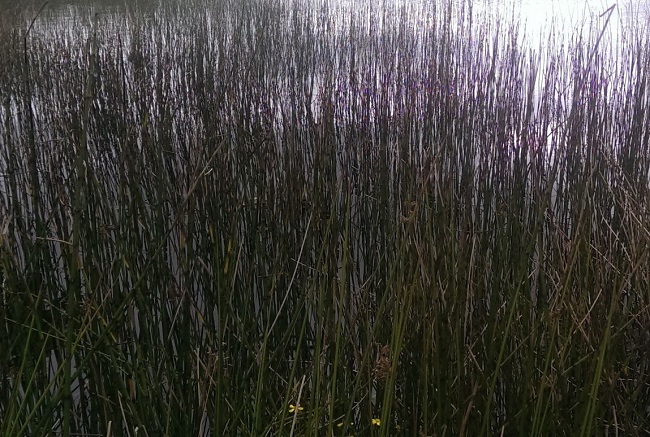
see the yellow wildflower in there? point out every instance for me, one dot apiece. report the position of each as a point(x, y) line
point(376, 422)
point(294, 408)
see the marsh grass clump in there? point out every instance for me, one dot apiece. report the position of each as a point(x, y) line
point(303, 218)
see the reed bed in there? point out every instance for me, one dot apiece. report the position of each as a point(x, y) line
point(302, 218)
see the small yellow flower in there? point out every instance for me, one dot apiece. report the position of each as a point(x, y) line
point(340, 424)
point(293, 408)
point(376, 422)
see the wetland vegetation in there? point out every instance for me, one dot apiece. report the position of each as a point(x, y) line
point(292, 217)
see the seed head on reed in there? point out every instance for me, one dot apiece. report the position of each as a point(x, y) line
point(382, 364)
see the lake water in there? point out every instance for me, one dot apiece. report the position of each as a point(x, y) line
point(537, 17)
point(541, 17)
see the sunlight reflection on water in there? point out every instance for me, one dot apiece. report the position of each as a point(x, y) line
point(540, 17)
